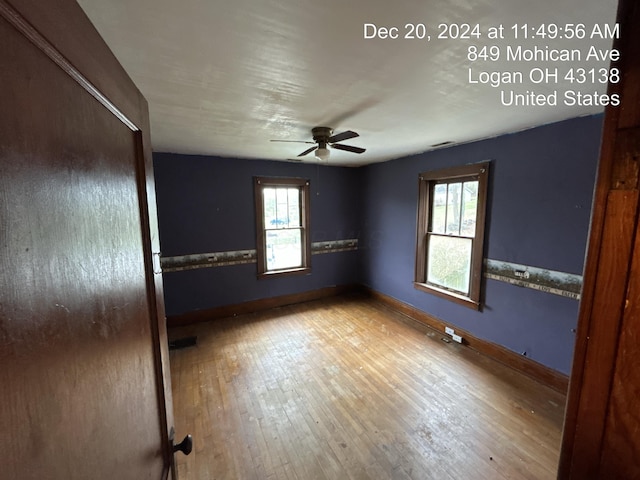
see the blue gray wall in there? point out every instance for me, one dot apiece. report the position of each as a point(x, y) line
point(540, 188)
point(206, 204)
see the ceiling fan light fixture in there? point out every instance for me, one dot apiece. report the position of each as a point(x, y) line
point(323, 153)
point(324, 138)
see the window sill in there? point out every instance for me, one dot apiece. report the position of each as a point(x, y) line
point(454, 297)
point(287, 272)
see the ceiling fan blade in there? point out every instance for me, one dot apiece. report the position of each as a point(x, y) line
point(360, 107)
point(292, 141)
point(308, 151)
point(343, 136)
point(348, 148)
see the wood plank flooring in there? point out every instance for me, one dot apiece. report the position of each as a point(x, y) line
point(347, 389)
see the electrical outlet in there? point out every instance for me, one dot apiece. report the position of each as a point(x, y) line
point(456, 338)
point(449, 331)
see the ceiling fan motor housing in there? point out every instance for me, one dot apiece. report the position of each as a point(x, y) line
point(321, 134)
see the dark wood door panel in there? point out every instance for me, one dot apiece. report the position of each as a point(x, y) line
point(79, 396)
point(621, 444)
point(601, 437)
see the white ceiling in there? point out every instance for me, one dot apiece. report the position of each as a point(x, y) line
point(225, 77)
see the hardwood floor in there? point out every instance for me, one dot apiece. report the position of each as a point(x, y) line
point(348, 389)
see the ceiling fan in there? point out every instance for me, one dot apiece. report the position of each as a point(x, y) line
point(322, 136)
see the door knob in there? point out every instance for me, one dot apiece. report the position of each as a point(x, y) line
point(185, 446)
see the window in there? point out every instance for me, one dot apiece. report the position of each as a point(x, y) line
point(282, 223)
point(451, 212)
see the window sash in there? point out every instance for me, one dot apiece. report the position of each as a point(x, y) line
point(281, 255)
point(281, 207)
point(457, 219)
point(450, 273)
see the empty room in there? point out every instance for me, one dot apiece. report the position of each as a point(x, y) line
point(320, 240)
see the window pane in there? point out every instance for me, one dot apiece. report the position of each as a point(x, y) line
point(283, 249)
point(453, 208)
point(439, 208)
point(449, 262)
point(469, 208)
point(269, 202)
point(294, 207)
point(282, 209)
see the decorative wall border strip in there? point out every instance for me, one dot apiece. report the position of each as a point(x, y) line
point(544, 280)
point(241, 257)
point(333, 246)
point(205, 260)
point(541, 279)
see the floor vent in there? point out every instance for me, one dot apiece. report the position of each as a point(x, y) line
point(182, 343)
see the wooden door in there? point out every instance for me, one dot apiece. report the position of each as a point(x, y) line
point(84, 380)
